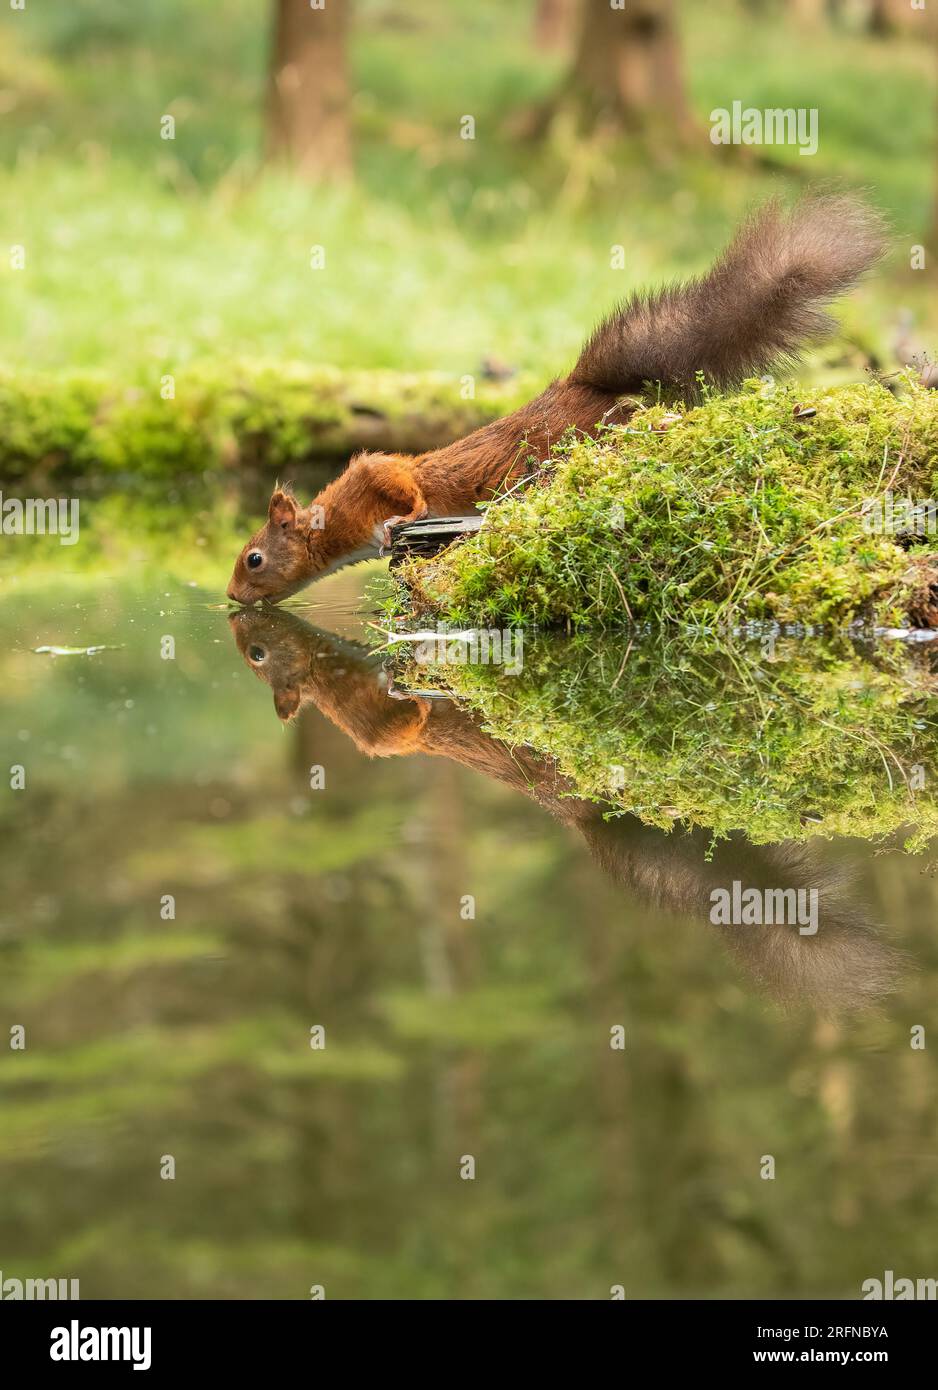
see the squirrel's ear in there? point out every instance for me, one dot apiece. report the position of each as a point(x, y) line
point(283, 510)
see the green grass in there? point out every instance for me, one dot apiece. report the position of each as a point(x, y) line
point(736, 509)
point(145, 255)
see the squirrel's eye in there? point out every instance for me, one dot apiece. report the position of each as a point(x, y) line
point(255, 560)
point(257, 654)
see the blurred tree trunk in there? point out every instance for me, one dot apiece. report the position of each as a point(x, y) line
point(308, 90)
point(932, 249)
point(627, 73)
point(888, 17)
point(812, 13)
point(880, 18)
point(554, 23)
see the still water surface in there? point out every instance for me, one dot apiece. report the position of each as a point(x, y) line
point(216, 853)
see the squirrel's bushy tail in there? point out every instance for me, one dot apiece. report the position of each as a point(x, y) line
point(762, 301)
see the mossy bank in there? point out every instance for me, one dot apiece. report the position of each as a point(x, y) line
point(228, 420)
point(778, 738)
point(772, 503)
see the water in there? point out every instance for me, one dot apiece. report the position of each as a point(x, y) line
point(190, 886)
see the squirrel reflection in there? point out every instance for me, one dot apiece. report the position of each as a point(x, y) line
point(845, 965)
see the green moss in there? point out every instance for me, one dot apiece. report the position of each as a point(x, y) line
point(780, 738)
point(45, 421)
point(226, 417)
point(738, 508)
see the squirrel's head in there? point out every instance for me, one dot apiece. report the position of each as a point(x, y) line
point(304, 667)
point(279, 650)
point(282, 557)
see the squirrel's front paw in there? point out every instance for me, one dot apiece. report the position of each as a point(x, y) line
point(386, 531)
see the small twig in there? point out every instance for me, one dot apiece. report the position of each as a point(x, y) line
point(622, 667)
point(618, 585)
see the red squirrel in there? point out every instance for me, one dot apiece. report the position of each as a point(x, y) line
point(758, 305)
